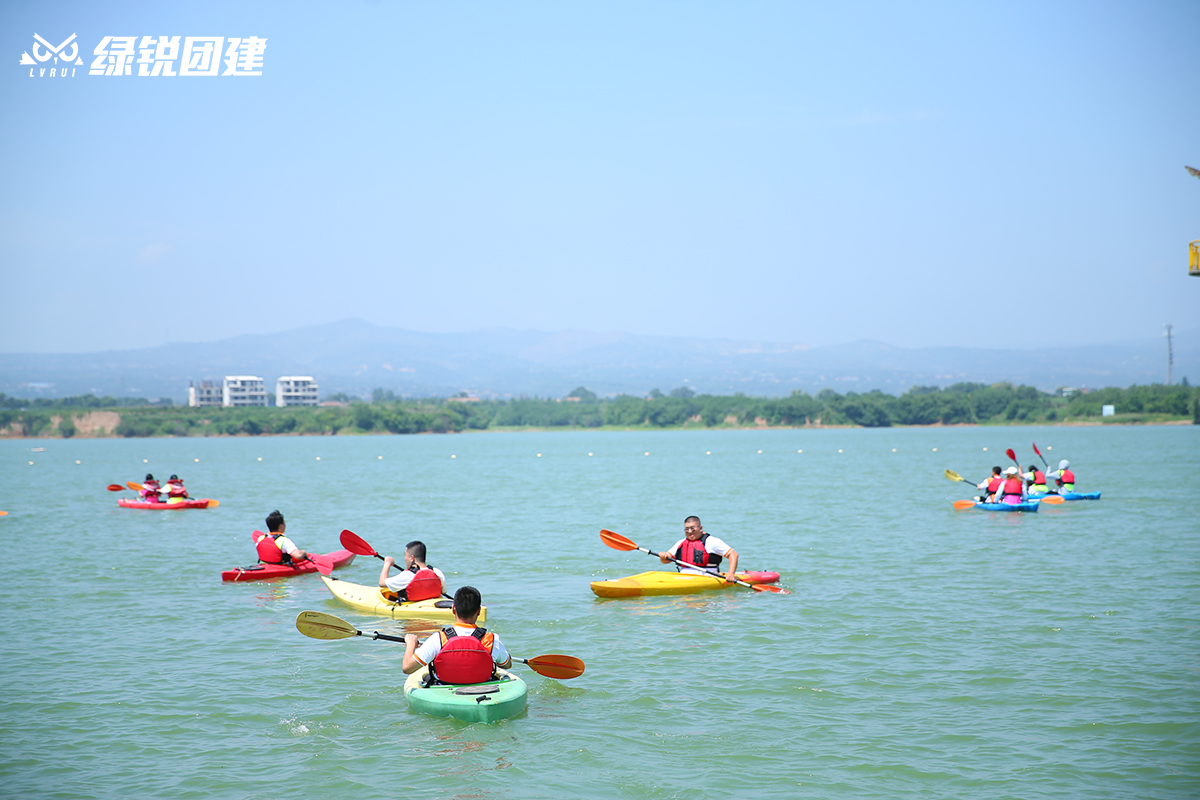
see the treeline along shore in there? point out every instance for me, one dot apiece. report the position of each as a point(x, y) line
point(963, 403)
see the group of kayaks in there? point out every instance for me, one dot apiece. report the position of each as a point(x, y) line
point(1033, 501)
point(505, 695)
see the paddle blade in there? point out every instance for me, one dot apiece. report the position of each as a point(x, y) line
point(963, 505)
point(763, 587)
point(3, 513)
point(1009, 452)
point(615, 540)
point(317, 625)
point(356, 544)
point(1052, 500)
point(954, 476)
point(1039, 452)
point(324, 563)
point(116, 487)
point(137, 487)
point(555, 666)
point(214, 503)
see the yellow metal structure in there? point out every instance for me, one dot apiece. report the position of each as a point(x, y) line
point(1194, 258)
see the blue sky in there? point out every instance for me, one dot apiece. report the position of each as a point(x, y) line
point(921, 174)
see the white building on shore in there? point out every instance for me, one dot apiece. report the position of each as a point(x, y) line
point(296, 390)
point(244, 390)
point(205, 393)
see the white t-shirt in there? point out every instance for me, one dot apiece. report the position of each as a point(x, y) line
point(286, 545)
point(712, 544)
point(428, 650)
point(398, 583)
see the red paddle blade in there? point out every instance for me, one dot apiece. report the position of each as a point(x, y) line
point(254, 537)
point(356, 544)
point(1039, 452)
point(1009, 452)
point(762, 587)
point(116, 487)
point(556, 666)
point(324, 564)
point(615, 540)
point(963, 505)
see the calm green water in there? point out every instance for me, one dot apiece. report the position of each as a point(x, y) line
point(924, 653)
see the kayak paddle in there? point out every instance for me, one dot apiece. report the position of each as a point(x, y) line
point(618, 542)
point(318, 625)
point(1042, 457)
point(137, 487)
point(963, 505)
point(214, 503)
point(116, 487)
point(3, 513)
point(323, 564)
point(359, 546)
point(954, 476)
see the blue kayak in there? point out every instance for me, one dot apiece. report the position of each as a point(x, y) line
point(1069, 496)
point(1028, 506)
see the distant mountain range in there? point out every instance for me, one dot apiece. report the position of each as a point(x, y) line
point(355, 357)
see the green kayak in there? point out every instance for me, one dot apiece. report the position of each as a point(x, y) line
point(491, 701)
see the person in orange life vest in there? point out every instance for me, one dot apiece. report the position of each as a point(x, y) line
point(462, 652)
point(150, 489)
point(1036, 479)
point(1012, 491)
point(1063, 476)
point(174, 488)
point(418, 580)
point(276, 548)
point(702, 552)
point(990, 486)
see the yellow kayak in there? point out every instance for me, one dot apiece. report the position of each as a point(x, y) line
point(658, 583)
point(371, 600)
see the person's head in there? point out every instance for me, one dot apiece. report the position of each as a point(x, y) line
point(415, 550)
point(467, 602)
point(173, 478)
point(692, 528)
point(274, 522)
point(1011, 471)
point(996, 470)
point(149, 477)
point(1064, 464)
point(1033, 467)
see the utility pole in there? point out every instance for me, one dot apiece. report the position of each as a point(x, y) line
point(1170, 354)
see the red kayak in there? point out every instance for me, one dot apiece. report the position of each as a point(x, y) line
point(200, 502)
point(261, 572)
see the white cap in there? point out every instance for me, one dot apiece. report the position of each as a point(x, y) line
point(1010, 471)
point(1064, 464)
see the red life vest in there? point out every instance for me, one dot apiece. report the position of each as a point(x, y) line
point(175, 489)
point(994, 484)
point(150, 490)
point(693, 553)
point(1039, 478)
point(464, 659)
point(268, 551)
point(424, 585)
point(1012, 486)
point(1065, 476)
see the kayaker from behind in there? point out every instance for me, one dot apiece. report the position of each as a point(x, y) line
point(1036, 478)
point(276, 548)
point(1012, 491)
point(174, 488)
point(418, 580)
point(991, 485)
point(462, 652)
point(1063, 476)
point(150, 489)
point(701, 552)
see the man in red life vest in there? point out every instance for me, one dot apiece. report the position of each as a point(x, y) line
point(462, 652)
point(418, 580)
point(274, 547)
point(174, 488)
point(150, 489)
point(991, 486)
point(701, 552)
point(1036, 479)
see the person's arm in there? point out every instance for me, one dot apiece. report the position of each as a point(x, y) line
point(499, 650)
point(411, 664)
point(383, 575)
point(667, 556)
point(732, 555)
